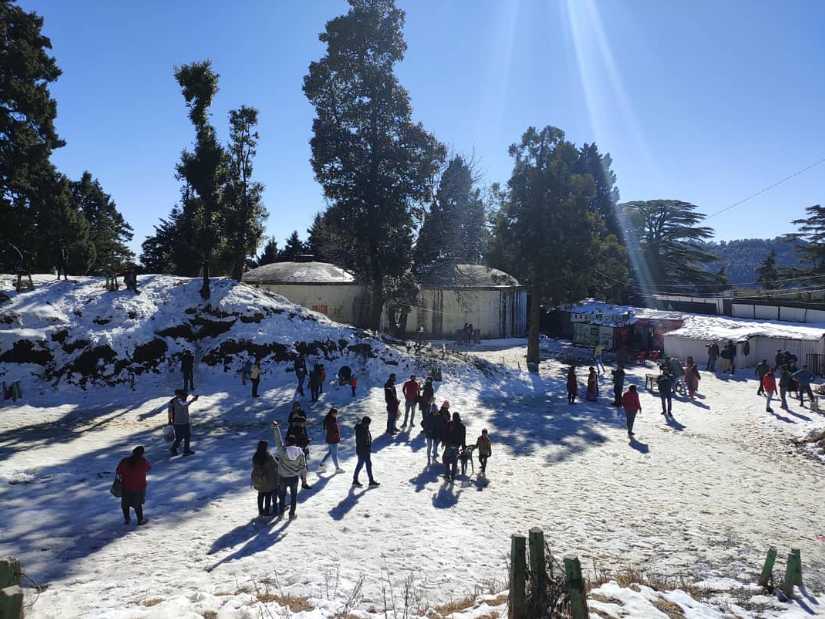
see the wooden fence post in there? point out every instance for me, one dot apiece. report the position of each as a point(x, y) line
point(793, 573)
point(575, 587)
point(518, 578)
point(767, 569)
point(538, 573)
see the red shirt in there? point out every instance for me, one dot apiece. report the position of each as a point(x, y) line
point(133, 476)
point(769, 383)
point(630, 402)
point(411, 389)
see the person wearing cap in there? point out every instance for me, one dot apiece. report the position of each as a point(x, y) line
point(132, 472)
point(391, 398)
point(411, 390)
point(363, 449)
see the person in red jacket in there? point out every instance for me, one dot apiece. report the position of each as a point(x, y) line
point(769, 388)
point(631, 406)
point(411, 391)
point(332, 434)
point(132, 472)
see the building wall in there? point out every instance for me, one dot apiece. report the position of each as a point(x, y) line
point(497, 312)
point(346, 303)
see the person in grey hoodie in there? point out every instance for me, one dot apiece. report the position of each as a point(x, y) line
point(179, 419)
point(292, 465)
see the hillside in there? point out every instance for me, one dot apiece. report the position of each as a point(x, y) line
point(742, 257)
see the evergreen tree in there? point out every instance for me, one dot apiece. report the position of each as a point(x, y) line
point(664, 238)
point(545, 232)
point(203, 170)
point(768, 273)
point(158, 249)
point(454, 229)
point(374, 163)
point(269, 253)
point(27, 135)
point(812, 231)
point(108, 231)
point(293, 248)
point(244, 212)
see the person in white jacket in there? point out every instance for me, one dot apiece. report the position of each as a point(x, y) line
point(292, 465)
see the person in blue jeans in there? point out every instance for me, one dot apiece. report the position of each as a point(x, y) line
point(332, 434)
point(179, 419)
point(363, 449)
point(292, 465)
point(665, 384)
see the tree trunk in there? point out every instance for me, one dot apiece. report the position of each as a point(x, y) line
point(534, 323)
point(376, 305)
point(205, 292)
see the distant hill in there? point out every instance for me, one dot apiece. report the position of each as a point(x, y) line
point(742, 257)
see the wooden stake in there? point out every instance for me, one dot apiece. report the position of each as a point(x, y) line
point(575, 587)
point(11, 602)
point(766, 578)
point(518, 578)
point(10, 572)
point(793, 573)
point(538, 573)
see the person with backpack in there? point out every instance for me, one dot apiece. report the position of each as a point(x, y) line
point(760, 370)
point(255, 377)
point(572, 385)
point(427, 394)
point(187, 365)
point(292, 466)
point(632, 407)
point(768, 381)
point(618, 385)
point(300, 366)
point(430, 425)
point(332, 435)
point(665, 384)
point(442, 420)
point(363, 450)
point(264, 478)
point(485, 450)
point(456, 441)
point(298, 431)
point(804, 377)
point(132, 471)
point(411, 390)
point(785, 385)
point(391, 399)
point(179, 419)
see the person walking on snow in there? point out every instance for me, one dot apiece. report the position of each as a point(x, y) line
point(187, 366)
point(572, 385)
point(264, 478)
point(298, 430)
point(632, 407)
point(713, 355)
point(442, 421)
point(592, 385)
point(292, 466)
point(132, 472)
point(665, 384)
point(179, 419)
point(391, 398)
point(692, 377)
point(618, 385)
point(785, 383)
point(429, 423)
point(456, 441)
point(732, 357)
point(255, 377)
point(485, 450)
point(315, 382)
point(246, 371)
point(427, 394)
point(598, 353)
point(768, 381)
point(760, 370)
point(363, 449)
point(411, 390)
point(300, 367)
point(804, 378)
point(332, 434)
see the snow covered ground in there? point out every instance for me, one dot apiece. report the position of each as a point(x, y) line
point(701, 497)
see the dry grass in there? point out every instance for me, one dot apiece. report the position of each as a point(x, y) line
point(673, 611)
point(632, 578)
point(210, 614)
point(455, 606)
point(295, 603)
point(152, 601)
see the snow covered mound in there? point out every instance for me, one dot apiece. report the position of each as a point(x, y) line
point(76, 333)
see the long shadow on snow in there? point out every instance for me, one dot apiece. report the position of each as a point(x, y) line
point(255, 535)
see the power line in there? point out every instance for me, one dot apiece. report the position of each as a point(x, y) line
point(767, 189)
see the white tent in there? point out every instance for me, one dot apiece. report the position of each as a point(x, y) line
point(765, 338)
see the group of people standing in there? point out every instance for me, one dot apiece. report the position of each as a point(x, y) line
point(792, 379)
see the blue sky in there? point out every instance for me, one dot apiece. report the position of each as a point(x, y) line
point(702, 101)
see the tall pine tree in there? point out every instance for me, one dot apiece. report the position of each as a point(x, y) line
point(812, 231)
point(244, 212)
point(768, 273)
point(269, 254)
point(376, 166)
point(293, 248)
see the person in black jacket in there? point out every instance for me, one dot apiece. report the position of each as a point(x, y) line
point(618, 385)
point(456, 440)
point(363, 449)
point(300, 373)
point(187, 366)
point(391, 398)
point(298, 430)
point(427, 395)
